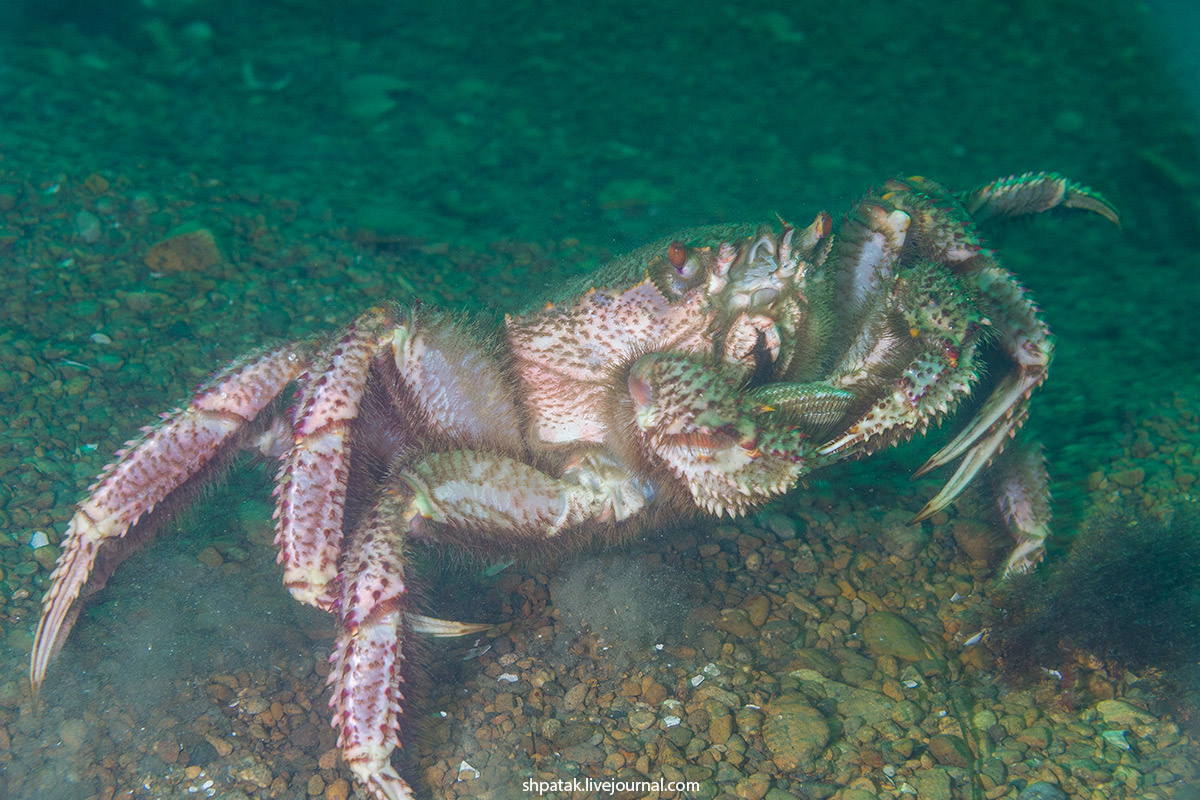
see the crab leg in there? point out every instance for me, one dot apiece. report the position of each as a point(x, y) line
point(366, 661)
point(188, 441)
point(311, 486)
point(1026, 339)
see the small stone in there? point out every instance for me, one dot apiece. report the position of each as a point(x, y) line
point(1120, 714)
point(737, 622)
point(575, 696)
point(338, 790)
point(186, 248)
point(46, 556)
point(888, 634)
point(950, 750)
point(209, 557)
point(72, 733)
point(1035, 736)
point(933, 784)
point(316, 785)
point(719, 728)
point(654, 694)
point(900, 537)
point(641, 720)
point(88, 227)
point(795, 733)
point(980, 542)
point(757, 608)
point(753, 787)
point(1128, 478)
point(222, 747)
point(1041, 790)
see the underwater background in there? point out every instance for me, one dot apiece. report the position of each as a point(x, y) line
point(183, 181)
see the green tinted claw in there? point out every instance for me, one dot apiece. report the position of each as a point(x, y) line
point(1033, 193)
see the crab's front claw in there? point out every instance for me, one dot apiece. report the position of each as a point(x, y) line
point(1033, 193)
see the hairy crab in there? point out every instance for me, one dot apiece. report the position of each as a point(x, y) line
point(710, 370)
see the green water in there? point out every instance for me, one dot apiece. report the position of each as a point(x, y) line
point(471, 155)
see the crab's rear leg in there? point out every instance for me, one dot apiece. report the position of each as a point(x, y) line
point(366, 662)
point(1025, 338)
point(187, 443)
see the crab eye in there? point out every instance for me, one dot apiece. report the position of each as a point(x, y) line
point(677, 253)
point(686, 264)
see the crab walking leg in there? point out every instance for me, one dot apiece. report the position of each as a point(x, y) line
point(366, 661)
point(311, 486)
point(1027, 341)
point(492, 497)
point(1023, 492)
point(148, 471)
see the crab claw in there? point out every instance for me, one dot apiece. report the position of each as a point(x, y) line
point(442, 628)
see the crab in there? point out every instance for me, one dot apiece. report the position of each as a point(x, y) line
point(712, 370)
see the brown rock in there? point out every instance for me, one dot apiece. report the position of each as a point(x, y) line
point(950, 750)
point(980, 542)
point(338, 790)
point(720, 728)
point(187, 248)
point(222, 747)
point(888, 634)
point(794, 732)
point(753, 787)
point(737, 622)
point(655, 693)
point(757, 608)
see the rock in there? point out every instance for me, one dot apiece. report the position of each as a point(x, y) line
point(820, 661)
point(950, 750)
point(737, 622)
point(858, 794)
point(641, 720)
point(1118, 713)
point(757, 608)
point(1041, 790)
point(871, 707)
point(888, 634)
point(753, 787)
point(46, 556)
point(338, 790)
point(794, 732)
point(979, 541)
point(900, 537)
point(575, 696)
point(720, 728)
point(186, 248)
point(1036, 736)
point(654, 693)
point(372, 95)
point(933, 784)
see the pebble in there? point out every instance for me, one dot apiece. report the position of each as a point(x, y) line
point(88, 226)
point(1041, 790)
point(186, 248)
point(900, 537)
point(1121, 714)
point(950, 750)
point(338, 790)
point(794, 732)
point(889, 634)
